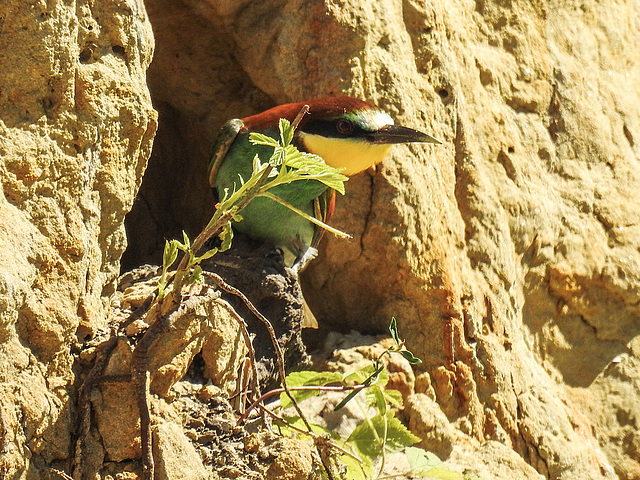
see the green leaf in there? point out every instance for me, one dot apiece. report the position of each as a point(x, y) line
point(393, 329)
point(378, 397)
point(346, 400)
point(354, 470)
point(370, 375)
point(302, 160)
point(260, 139)
point(428, 464)
point(312, 167)
point(207, 254)
point(170, 254)
point(367, 436)
point(398, 436)
point(295, 158)
point(286, 131)
point(295, 421)
point(392, 397)
point(420, 460)
point(278, 157)
point(336, 184)
point(162, 284)
point(471, 476)
point(196, 275)
point(187, 242)
point(443, 474)
point(410, 358)
point(257, 165)
point(307, 378)
point(226, 236)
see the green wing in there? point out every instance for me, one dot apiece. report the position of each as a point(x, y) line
point(226, 136)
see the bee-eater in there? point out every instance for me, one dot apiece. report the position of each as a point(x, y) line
point(347, 133)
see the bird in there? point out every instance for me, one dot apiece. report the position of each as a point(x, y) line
point(349, 134)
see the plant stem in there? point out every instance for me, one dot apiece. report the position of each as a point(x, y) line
point(276, 199)
point(272, 334)
point(278, 391)
point(214, 227)
point(384, 444)
point(247, 340)
point(303, 111)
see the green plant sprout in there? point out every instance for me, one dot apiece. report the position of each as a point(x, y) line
point(378, 366)
point(380, 434)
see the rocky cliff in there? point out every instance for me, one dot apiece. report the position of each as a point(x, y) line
point(509, 254)
point(76, 130)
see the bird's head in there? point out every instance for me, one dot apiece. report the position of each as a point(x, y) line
point(346, 132)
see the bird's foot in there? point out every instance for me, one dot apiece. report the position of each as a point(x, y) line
point(303, 259)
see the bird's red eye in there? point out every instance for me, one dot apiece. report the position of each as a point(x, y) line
point(344, 126)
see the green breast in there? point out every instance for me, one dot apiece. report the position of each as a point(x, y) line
point(263, 219)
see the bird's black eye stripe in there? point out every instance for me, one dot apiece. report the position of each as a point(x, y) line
point(333, 128)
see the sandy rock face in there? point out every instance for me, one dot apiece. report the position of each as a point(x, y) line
point(76, 128)
point(508, 254)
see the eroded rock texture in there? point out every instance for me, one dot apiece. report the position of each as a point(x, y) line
point(509, 254)
point(76, 128)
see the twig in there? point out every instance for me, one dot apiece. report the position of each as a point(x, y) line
point(321, 442)
point(296, 121)
point(240, 397)
point(408, 473)
point(321, 438)
point(368, 381)
point(124, 378)
point(140, 311)
point(213, 228)
point(274, 340)
point(60, 473)
point(278, 391)
point(255, 387)
point(384, 443)
point(103, 354)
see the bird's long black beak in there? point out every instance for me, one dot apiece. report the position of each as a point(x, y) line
point(400, 134)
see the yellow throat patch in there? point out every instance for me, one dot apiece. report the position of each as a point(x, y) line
point(351, 154)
